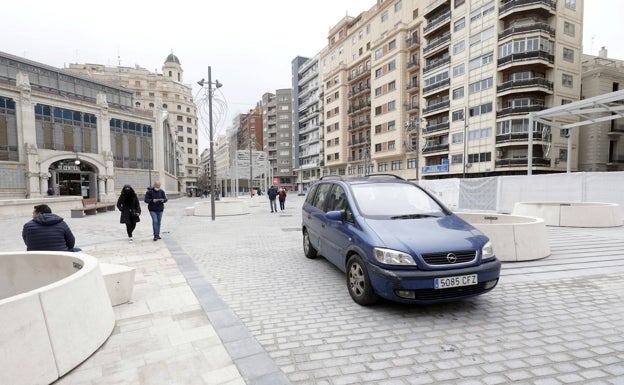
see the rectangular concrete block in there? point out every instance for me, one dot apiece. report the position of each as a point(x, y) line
point(119, 280)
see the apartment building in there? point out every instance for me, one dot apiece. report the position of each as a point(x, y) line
point(443, 88)
point(307, 116)
point(176, 99)
point(601, 145)
point(249, 143)
point(278, 136)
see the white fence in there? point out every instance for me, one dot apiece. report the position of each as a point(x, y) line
point(502, 192)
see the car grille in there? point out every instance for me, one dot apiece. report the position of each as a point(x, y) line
point(437, 259)
point(453, 292)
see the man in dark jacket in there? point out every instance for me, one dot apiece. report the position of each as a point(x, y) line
point(156, 199)
point(47, 232)
point(272, 194)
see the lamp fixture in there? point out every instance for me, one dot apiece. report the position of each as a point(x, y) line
point(77, 160)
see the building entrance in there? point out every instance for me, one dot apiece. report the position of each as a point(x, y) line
point(69, 178)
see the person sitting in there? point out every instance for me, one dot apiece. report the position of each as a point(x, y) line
point(48, 232)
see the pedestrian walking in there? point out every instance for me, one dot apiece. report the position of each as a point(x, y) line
point(156, 199)
point(128, 204)
point(48, 232)
point(272, 194)
point(282, 198)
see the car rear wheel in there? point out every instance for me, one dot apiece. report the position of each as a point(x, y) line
point(308, 249)
point(358, 282)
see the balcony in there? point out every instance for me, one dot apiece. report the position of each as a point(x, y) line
point(357, 158)
point(526, 83)
point(413, 84)
point(359, 107)
point(433, 64)
point(359, 75)
point(429, 148)
point(358, 90)
point(437, 106)
point(412, 64)
point(522, 162)
point(436, 86)
point(360, 124)
point(358, 142)
point(437, 43)
point(519, 110)
point(517, 137)
point(524, 5)
point(538, 27)
point(430, 129)
point(522, 57)
point(439, 21)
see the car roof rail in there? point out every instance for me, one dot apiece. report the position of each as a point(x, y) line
point(384, 175)
point(338, 177)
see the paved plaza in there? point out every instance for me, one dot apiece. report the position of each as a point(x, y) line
point(234, 301)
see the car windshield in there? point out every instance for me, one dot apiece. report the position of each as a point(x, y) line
point(395, 200)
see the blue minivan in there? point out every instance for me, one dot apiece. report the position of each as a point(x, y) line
point(395, 240)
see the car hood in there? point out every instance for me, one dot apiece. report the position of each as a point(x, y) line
point(427, 235)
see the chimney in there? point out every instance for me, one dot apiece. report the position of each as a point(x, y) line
point(602, 53)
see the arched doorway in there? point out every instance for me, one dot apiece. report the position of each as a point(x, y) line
point(73, 177)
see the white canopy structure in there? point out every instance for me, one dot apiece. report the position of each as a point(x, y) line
point(596, 109)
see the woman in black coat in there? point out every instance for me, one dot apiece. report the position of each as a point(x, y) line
point(128, 204)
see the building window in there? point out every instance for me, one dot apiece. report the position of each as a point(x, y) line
point(378, 72)
point(459, 2)
point(391, 145)
point(458, 93)
point(567, 80)
point(568, 54)
point(397, 165)
point(397, 6)
point(571, 4)
point(459, 24)
point(392, 65)
point(569, 28)
point(459, 47)
point(457, 115)
point(378, 53)
point(458, 70)
point(391, 126)
point(392, 86)
point(392, 45)
point(378, 91)
point(382, 167)
point(480, 85)
point(384, 16)
point(457, 138)
point(391, 106)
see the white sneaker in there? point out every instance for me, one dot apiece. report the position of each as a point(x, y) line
point(130, 240)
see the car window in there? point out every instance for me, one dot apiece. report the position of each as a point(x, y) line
point(394, 199)
point(310, 197)
point(322, 193)
point(338, 199)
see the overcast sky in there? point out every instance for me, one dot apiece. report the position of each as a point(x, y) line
point(249, 44)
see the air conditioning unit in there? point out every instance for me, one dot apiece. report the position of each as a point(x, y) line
point(468, 165)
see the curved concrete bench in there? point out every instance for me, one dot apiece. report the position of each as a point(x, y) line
point(54, 311)
point(572, 214)
point(514, 238)
point(223, 207)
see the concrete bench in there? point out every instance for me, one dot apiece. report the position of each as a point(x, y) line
point(119, 280)
point(90, 206)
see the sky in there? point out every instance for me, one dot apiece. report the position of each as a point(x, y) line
point(248, 44)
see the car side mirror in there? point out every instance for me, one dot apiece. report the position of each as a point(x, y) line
point(337, 215)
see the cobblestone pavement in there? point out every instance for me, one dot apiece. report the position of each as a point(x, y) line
point(554, 321)
point(235, 301)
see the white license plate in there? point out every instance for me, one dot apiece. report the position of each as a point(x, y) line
point(461, 280)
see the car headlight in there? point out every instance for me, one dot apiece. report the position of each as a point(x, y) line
point(393, 257)
point(487, 252)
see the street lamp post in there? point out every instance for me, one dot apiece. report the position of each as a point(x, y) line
point(250, 163)
point(211, 134)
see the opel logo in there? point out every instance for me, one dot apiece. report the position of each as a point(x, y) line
point(451, 258)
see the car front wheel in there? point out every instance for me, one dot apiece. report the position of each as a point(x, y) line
point(358, 282)
point(308, 249)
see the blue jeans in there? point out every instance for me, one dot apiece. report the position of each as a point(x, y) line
point(156, 218)
point(273, 205)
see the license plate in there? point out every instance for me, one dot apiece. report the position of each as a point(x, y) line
point(461, 280)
